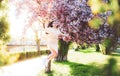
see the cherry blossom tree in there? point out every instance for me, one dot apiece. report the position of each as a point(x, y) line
point(70, 16)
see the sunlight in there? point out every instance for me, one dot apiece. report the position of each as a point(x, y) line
point(94, 6)
point(30, 34)
point(17, 24)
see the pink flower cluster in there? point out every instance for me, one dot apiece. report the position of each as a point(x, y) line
point(71, 17)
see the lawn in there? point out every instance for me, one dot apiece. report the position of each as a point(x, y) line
point(86, 63)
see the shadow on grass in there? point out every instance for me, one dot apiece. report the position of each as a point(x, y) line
point(43, 73)
point(76, 69)
point(83, 70)
point(88, 50)
point(115, 54)
point(109, 69)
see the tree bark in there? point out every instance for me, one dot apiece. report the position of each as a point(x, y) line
point(61, 56)
point(38, 42)
point(63, 50)
point(105, 47)
point(97, 47)
point(38, 46)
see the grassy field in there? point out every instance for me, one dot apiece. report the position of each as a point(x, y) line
point(86, 63)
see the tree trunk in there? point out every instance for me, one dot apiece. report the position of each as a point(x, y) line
point(105, 47)
point(110, 44)
point(61, 56)
point(97, 47)
point(38, 46)
point(119, 3)
point(83, 47)
point(38, 42)
point(63, 50)
point(77, 48)
point(102, 49)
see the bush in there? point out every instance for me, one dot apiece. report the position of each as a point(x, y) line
point(29, 54)
point(111, 68)
point(10, 58)
point(3, 59)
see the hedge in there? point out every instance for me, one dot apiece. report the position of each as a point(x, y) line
point(13, 57)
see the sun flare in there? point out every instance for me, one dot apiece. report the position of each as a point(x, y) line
point(17, 24)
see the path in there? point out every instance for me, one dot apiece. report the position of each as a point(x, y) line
point(31, 67)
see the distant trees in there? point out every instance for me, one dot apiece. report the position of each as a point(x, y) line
point(4, 31)
point(111, 43)
point(4, 24)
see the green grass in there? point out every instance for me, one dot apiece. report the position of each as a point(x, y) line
point(88, 50)
point(72, 69)
point(84, 64)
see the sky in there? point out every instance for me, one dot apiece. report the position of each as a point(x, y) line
point(17, 24)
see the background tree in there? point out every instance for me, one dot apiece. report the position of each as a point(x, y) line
point(36, 30)
point(115, 22)
point(110, 44)
point(4, 24)
point(4, 31)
